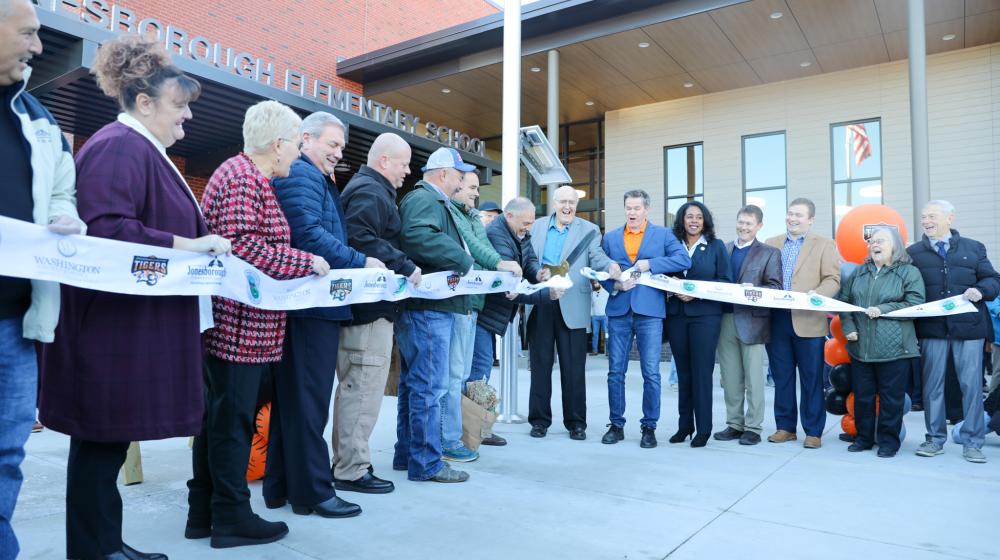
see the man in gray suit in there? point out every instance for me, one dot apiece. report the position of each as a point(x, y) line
point(566, 244)
point(745, 330)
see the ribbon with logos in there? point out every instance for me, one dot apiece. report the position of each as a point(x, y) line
point(31, 251)
point(777, 299)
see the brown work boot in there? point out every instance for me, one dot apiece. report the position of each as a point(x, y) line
point(781, 436)
point(812, 442)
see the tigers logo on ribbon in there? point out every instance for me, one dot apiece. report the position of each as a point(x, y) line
point(149, 269)
point(340, 288)
point(753, 295)
point(636, 274)
point(253, 285)
point(453, 281)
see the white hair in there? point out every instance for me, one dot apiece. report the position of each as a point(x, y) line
point(267, 122)
point(948, 207)
point(314, 124)
point(518, 205)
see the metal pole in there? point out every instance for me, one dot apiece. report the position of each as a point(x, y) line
point(553, 118)
point(510, 188)
point(919, 151)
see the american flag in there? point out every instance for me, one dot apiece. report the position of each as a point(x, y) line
point(859, 140)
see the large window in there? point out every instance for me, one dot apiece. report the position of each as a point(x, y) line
point(765, 182)
point(856, 152)
point(581, 149)
point(683, 181)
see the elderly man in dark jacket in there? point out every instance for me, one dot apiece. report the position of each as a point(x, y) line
point(745, 330)
point(373, 227)
point(953, 265)
point(510, 235)
point(298, 461)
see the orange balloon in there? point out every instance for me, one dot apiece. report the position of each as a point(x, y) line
point(837, 329)
point(258, 447)
point(847, 424)
point(835, 352)
point(851, 240)
point(850, 405)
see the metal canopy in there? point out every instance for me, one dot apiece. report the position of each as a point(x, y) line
point(62, 81)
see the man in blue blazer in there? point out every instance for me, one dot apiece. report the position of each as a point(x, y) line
point(637, 312)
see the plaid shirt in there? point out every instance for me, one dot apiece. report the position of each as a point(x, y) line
point(239, 204)
point(790, 254)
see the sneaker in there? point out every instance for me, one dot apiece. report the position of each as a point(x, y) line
point(460, 454)
point(929, 449)
point(448, 474)
point(973, 455)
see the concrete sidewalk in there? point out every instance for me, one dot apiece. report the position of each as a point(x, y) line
point(555, 498)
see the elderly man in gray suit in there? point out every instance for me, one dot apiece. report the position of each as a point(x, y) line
point(566, 244)
point(746, 329)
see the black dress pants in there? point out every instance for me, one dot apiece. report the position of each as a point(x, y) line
point(546, 330)
point(93, 504)
point(218, 492)
point(693, 341)
point(888, 381)
point(298, 458)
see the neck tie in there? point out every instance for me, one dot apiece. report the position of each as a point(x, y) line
point(941, 250)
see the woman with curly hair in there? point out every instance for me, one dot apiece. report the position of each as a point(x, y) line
point(692, 324)
point(127, 368)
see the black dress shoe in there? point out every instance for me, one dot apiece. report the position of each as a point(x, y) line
point(846, 437)
point(728, 434)
point(334, 507)
point(275, 503)
point(538, 431)
point(250, 532)
point(699, 440)
point(129, 553)
point(749, 438)
point(197, 530)
point(858, 447)
point(578, 434)
point(494, 440)
point(613, 435)
point(680, 436)
point(648, 440)
point(886, 453)
point(367, 484)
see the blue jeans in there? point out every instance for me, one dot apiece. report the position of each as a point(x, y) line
point(597, 322)
point(648, 333)
point(459, 365)
point(424, 338)
point(482, 355)
point(18, 392)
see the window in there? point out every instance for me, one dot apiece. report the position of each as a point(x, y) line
point(765, 182)
point(856, 152)
point(682, 175)
point(581, 149)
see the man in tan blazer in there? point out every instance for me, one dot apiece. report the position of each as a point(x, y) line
point(809, 263)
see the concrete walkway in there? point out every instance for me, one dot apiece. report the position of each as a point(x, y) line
point(555, 498)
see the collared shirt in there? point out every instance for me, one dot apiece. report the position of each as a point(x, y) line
point(946, 241)
point(554, 242)
point(701, 241)
point(790, 254)
point(739, 245)
point(440, 192)
point(633, 240)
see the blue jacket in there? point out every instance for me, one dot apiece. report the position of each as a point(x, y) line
point(666, 255)
point(311, 204)
point(710, 263)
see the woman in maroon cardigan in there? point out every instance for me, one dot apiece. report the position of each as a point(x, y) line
point(127, 368)
point(240, 204)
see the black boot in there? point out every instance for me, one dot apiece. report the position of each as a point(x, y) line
point(614, 434)
point(129, 553)
point(648, 440)
point(252, 531)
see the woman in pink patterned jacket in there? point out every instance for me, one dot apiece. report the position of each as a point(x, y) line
point(245, 342)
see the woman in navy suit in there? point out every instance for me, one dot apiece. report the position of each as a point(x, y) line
point(693, 324)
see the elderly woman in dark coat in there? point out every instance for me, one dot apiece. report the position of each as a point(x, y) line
point(127, 368)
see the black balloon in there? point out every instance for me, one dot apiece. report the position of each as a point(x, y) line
point(840, 378)
point(836, 403)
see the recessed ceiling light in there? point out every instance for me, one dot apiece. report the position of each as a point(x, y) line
point(445, 90)
point(535, 69)
point(776, 15)
point(948, 37)
point(643, 45)
point(589, 103)
point(572, 142)
point(688, 85)
point(805, 64)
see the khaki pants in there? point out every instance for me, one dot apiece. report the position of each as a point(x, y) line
point(742, 369)
point(362, 369)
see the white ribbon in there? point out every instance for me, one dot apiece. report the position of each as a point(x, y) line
point(942, 307)
point(31, 251)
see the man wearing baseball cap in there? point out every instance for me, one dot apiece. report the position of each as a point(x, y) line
point(488, 211)
point(431, 239)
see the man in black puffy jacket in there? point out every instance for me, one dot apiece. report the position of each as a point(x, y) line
point(952, 265)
